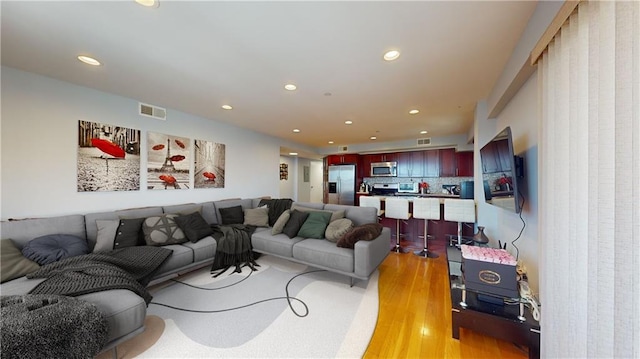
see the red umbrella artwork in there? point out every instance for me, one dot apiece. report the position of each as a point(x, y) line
point(210, 176)
point(157, 147)
point(180, 143)
point(177, 158)
point(168, 179)
point(108, 147)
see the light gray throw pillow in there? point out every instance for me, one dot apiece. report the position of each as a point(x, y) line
point(258, 217)
point(107, 229)
point(281, 222)
point(337, 229)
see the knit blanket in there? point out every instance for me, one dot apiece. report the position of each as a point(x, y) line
point(276, 207)
point(234, 248)
point(128, 268)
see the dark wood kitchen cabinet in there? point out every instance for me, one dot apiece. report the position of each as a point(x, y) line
point(447, 162)
point(411, 164)
point(347, 159)
point(490, 159)
point(464, 163)
point(382, 157)
point(502, 148)
point(431, 163)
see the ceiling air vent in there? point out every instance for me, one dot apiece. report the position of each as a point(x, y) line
point(153, 111)
point(424, 141)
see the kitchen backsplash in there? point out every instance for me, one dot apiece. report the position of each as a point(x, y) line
point(435, 183)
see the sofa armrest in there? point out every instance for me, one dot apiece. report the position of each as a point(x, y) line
point(368, 255)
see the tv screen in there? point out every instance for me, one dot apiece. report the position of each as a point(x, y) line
point(500, 169)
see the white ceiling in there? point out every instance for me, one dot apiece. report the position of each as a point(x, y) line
point(197, 56)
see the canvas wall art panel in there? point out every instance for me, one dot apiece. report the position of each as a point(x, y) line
point(168, 164)
point(209, 164)
point(108, 157)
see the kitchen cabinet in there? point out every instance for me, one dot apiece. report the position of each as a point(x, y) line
point(464, 163)
point(411, 164)
point(367, 160)
point(490, 159)
point(351, 159)
point(502, 148)
point(447, 162)
point(431, 163)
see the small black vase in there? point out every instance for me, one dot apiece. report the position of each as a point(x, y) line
point(480, 237)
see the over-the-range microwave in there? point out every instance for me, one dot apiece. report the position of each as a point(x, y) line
point(384, 169)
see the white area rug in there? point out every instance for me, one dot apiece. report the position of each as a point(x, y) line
point(339, 322)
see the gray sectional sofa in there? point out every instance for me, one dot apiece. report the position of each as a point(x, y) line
point(125, 311)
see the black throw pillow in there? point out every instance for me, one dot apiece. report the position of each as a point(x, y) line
point(129, 233)
point(294, 223)
point(232, 215)
point(194, 226)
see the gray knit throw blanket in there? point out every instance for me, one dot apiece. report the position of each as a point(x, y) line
point(51, 326)
point(128, 268)
point(234, 248)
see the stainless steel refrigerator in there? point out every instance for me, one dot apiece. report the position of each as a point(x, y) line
point(342, 184)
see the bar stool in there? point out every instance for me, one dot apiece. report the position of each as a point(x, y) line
point(369, 201)
point(426, 208)
point(397, 208)
point(461, 211)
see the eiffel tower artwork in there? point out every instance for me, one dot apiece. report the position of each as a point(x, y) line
point(168, 164)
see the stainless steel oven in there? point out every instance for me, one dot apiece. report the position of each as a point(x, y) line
point(384, 169)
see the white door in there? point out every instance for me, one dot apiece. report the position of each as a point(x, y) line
point(315, 176)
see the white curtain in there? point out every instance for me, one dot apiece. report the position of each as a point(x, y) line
point(589, 180)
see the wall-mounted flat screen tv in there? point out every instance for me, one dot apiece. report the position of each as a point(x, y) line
point(500, 170)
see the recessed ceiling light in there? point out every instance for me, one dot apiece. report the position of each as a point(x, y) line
point(423, 132)
point(348, 122)
point(331, 142)
point(373, 138)
point(296, 130)
point(227, 107)
point(293, 153)
point(148, 3)
point(414, 111)
point(391, 55)
point(89, 60)
point(290, 87)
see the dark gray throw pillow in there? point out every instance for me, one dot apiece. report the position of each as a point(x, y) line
point(194, 226)
point(54, 247)
point(129, 233)
point(296, 220)
point(232, 215)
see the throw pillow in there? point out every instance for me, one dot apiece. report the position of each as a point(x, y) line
point(334, 214)
point(337, 229)
point(162, 230)
point(107, 230)
point(365, 232)
point(258, 217)
point(54, 247)
point(278, 226)
point(129, 233)
point(12, 263)
point(315, 225)
point(296, 220)
point(194, 226)
point(232, 215)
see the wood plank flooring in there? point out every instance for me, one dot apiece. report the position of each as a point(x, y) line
point(414, 320)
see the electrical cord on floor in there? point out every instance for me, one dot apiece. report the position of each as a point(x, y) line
point(288, 297)
point(218, 288)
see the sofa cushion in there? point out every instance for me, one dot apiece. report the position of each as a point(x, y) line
point(194, 226)
point(107, 229)
point(337, 214)
point(162, 230)
point(279, 244)
point(358, 215)
point(13, 264)
point(337, 229)
point(278, 226)
point(54, 247)
point(296, 220)
point(204, 249)
point(182, 209)
point(324, 254)
point(315, 225)
point(181, 256)
point(232, 215)
point(129, 233)
point(92, 229)
point(365, 232)
point(226, 203)
point(23, 231)
point(258, 217)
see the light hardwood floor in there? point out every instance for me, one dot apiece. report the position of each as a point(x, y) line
point(414, 320)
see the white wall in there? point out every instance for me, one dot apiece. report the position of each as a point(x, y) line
point(40, 142)
point(522, 115)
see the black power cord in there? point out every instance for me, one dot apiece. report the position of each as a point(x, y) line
point(524, 224)
point(288, 297)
